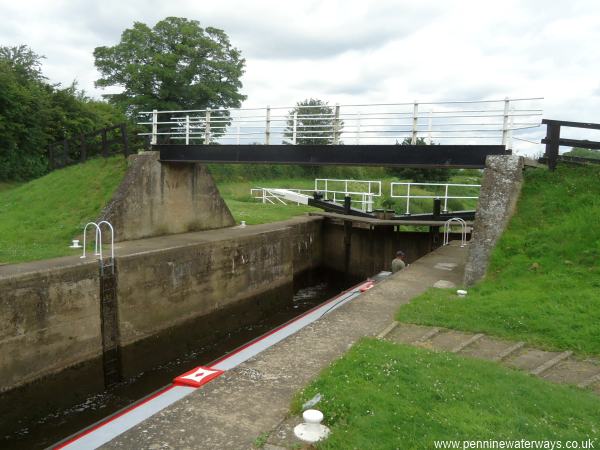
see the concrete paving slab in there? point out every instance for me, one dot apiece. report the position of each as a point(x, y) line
point(571, 371)
point(407, 333)
point(487, 348)
point(448, 340)
point(529, 359)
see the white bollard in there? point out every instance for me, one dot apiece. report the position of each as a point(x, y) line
point(311, 430)
point(75, 244)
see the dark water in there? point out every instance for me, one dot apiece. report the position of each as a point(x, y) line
point(51, 426)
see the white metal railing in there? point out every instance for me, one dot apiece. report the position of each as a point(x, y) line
point(463, 230)
point(469, 122)
point(274, 196)
point(360, 191)
point(98, 243)
point(444, 186)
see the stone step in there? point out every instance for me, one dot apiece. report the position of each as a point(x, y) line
point(406, 333)
point(529, 359)
point(448, 340)
point(557, 367)
point(488, 348)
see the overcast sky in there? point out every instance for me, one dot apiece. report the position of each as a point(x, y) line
point(352, 51)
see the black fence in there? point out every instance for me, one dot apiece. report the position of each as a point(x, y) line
point(104, 142)
point(553, 141)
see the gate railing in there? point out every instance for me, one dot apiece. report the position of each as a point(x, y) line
point(446, 187)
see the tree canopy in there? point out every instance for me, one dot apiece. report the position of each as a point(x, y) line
point(34, 113)
point(315, 123)
point(177, 64)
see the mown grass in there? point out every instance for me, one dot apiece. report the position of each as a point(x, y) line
point(543, 285)
point(39, 218)
point(386, 396)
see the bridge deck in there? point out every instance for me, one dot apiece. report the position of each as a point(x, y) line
point(430, 156)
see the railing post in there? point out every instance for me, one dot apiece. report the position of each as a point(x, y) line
point(154, 139)
point(446, 200)
point(413, 140)
point(408, 199)
point(429, 127)
point(268, 126)
point(505, 122)
point(82, 148)
point(511, 123)
point(552, 138)
point(125, 139)
point(207, 127)
point(295, 128)
point(187, 129)
point(336, 125)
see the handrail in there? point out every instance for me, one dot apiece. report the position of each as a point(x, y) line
point(98, 242)
point(376, 123)
point(463, 226)
point(446, 197)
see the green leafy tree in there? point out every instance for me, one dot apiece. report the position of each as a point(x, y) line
point(315, 123)
point(34, 113)
point(420, 175)
point(177, 64)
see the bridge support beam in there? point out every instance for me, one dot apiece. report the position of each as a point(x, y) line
point(425, 156)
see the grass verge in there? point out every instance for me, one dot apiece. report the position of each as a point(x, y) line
point(40, 218)
point(387, 396)
point(543, 284)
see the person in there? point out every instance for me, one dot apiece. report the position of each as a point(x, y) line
point(398, 262)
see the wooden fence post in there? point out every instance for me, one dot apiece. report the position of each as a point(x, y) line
point(552, 138)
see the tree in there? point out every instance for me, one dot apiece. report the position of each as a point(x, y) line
point(177, 64)
point(34, 113)
point(420, 175)
point(315, 123)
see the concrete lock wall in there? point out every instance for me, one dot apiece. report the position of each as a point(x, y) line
point(157, 198)
point(50, 316)
point(49, 320)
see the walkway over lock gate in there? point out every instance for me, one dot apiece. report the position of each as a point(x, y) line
point(384, 134)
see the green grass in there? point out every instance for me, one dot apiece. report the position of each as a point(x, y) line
point(386, 396)
point(40, 218)
point(543, 285)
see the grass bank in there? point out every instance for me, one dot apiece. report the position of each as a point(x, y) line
point(40, 218)
point(387, 396)
point(543, 284)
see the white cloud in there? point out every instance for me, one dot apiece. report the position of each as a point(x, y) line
point(352, 51)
